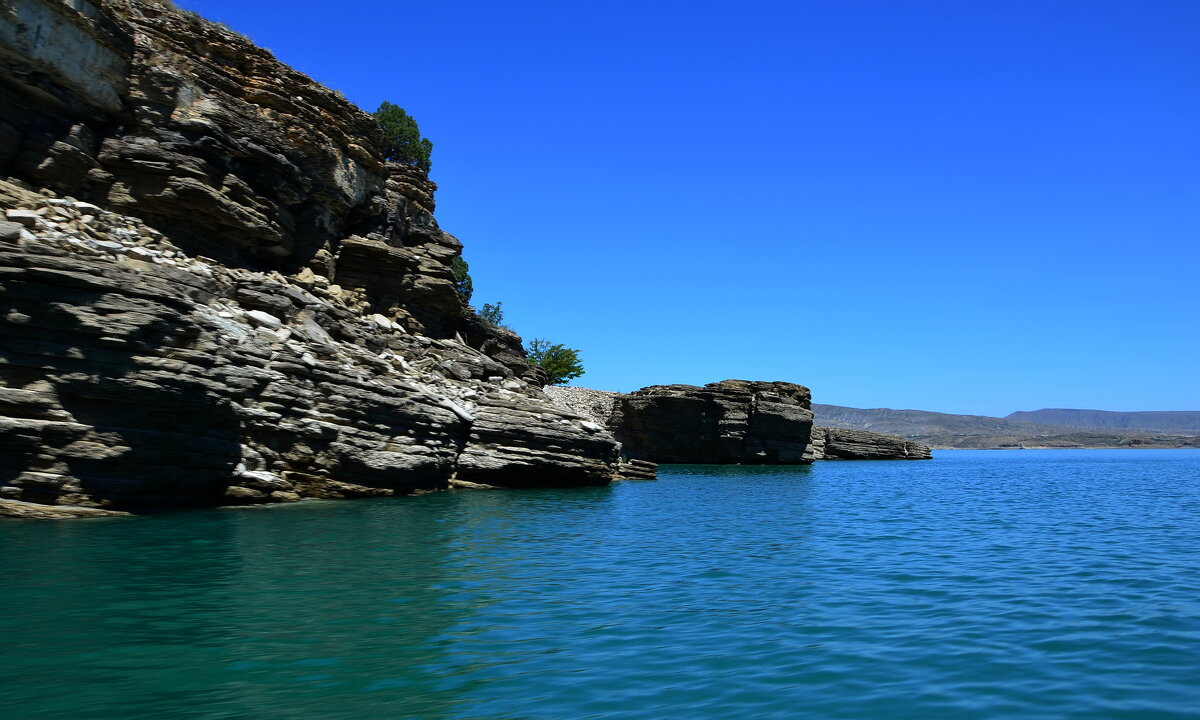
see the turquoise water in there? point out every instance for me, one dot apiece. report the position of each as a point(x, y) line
point(1016, 584)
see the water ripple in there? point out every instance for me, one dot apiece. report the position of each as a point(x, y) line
point(979, 585)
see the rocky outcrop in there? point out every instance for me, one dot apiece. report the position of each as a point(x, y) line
point(734, 421)
point(135, 376)
point(843, 444)
point(139, 106)
point(213, 289)
point(159, 114)
point(729, 422)
point(634, 469)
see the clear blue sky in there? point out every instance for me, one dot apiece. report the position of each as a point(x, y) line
point(972, 207)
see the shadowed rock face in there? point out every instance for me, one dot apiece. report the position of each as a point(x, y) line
point(729, 422)
point(213, 290)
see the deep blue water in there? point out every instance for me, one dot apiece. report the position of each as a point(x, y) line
point(1012, 584)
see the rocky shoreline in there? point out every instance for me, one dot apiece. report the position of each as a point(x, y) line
point(214, 290)
point(239, 386)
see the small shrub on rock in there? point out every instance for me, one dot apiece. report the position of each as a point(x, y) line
point(402, 141)
point(561, 363)
point(462, 280)
point(492, 314)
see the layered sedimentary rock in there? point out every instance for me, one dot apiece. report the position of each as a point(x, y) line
point(728, 422)
point(844, 444)
point(214, 290)
point(733, 421)
point(136, 376)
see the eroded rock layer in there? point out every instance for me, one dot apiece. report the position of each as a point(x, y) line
point(844, 444)
point(728, 422)
point(134, 376)
point(214, 290)
point(734, 421)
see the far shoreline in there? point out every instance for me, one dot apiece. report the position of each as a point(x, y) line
point(1042, 447)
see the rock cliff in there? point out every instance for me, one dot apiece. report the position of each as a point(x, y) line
point(730, 422)
point(843, 444)
point(214, 290)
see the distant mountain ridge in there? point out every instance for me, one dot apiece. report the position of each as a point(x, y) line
point(1177, 421)
point(944, 430)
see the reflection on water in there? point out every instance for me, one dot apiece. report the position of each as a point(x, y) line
point(976, 585)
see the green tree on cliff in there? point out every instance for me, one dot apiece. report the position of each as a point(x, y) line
point(402, 141)
point(492, 314)
point(561, 363)
point(463, 284)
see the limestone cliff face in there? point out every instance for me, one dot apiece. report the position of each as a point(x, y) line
point(214, 290)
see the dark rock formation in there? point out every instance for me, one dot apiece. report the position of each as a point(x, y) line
point(729, 422)
point(842, 444)
point(213, 290)
point(734, 421)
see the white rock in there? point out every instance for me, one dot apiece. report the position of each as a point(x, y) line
point(114, 247)
point(456, 409)
point(381, 321)
point(87, 207)
point(590, 426)
point(28, 218)
point(263, 478)
point(262, 319)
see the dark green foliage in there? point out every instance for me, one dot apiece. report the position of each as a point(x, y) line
point(492, 314)
point(462, 279)
point(560, 362)
point(402, 141)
